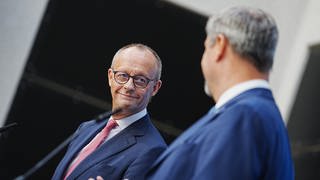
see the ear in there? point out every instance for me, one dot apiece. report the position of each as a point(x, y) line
point(156, 87)
point(110, 75)
point(220, 46)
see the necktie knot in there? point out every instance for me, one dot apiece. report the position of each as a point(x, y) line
point(106, 130)
point(111, 124)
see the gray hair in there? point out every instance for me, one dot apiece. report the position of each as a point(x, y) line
point(252, 33)
point(142, 47)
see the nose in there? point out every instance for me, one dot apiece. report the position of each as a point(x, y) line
point(129, 84)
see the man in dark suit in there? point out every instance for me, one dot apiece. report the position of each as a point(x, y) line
point(127, 149)
point(243, 136)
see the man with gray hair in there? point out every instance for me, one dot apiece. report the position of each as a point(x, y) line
point(243, 136)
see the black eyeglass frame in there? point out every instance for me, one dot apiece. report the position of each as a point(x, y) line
point(148, 80)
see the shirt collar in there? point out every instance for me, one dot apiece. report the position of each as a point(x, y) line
point(125, 122)
point(240, 88)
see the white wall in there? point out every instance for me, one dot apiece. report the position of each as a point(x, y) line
point(19, 21)
point(308, 34)
point(299, 27)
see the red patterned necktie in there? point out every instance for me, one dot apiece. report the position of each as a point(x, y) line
point(97, 140)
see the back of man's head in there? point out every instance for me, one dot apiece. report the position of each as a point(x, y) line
point(251, 32)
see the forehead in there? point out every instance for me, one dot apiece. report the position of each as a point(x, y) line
point(135, 58)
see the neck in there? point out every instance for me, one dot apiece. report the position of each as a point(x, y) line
point(125, 112)
point(235, 75)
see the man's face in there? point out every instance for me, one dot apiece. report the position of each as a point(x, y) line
point(127, 96)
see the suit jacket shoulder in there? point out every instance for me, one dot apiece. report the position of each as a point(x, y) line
point(126, 155)
point(245, 139)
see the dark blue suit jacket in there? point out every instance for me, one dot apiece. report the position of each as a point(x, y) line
point(126, 155)
point(244, 139)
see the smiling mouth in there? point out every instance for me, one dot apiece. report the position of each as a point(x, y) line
point(128, 96)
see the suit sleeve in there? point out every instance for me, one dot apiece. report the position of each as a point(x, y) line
point(139, 167)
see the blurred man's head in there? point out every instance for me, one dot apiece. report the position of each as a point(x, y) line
point(242, 33)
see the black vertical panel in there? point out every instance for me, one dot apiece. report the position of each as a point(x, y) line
point(303, 125)
point(73, 50)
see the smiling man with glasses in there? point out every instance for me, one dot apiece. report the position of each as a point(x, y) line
point(133, 142)
point(134, 77)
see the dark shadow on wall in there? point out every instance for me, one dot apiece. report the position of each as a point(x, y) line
point(303, 125)
point(65, 79)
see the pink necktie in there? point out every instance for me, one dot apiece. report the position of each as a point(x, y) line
point(97, 140)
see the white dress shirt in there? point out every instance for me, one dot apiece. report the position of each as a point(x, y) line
point(125, 122)
point(240, 88)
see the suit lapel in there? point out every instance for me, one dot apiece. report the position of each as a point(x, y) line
point(84, 139)
point(124, 140)
point(81, 139)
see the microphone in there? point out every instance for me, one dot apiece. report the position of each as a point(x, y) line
point(102, 116)
point(61, 146)
point(5, 128)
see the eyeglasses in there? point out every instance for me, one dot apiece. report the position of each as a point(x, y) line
point(139, 81)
